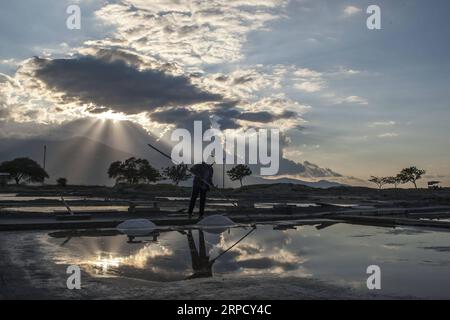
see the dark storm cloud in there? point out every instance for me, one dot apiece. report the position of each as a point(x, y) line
point(4, 113)
point(438, 249)
point(114, 55)
point(224, 113)
point(184, 118)
point(266, 117)
point(221, 78)
point(179, 115)
point(117, 85)
point(97, 110)
point(227, 104)
point(306, 168)
point(111, 80)
point(242, 80)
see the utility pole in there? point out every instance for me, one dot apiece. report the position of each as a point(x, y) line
point(45, 158)
point(223, 163)
point(45, 155)
point(223, 173)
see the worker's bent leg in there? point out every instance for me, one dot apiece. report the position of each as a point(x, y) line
point(202, 202)
point(194, 195)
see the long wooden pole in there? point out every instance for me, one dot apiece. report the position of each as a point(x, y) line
point(201, 178)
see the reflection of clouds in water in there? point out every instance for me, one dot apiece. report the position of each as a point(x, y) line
point(270, 255)
point(391, 246)
point(336, 257)
point(139, 260)
point(354, 284)
point(435, 263)
point(102, 262)
point(406, 231)
point(263, 252)
point(101, 257)
point(438, 249)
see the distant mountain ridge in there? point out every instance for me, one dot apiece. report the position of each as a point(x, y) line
point(80, 160)
point(323, 184)
point(85, 159)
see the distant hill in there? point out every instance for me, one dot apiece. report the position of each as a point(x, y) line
point(323, 184)
point(80, 160)
point(84, 159)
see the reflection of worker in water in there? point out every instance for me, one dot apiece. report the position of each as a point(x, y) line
point(202, 182)
point(200, 260)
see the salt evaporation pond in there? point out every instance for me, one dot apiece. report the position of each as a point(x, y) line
point(14, 197)
point(52, 209)
point(268, 263)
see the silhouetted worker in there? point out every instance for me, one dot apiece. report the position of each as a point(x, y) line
point(202, 181)
point(200, 260)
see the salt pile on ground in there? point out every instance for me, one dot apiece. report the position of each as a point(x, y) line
point(136, 227)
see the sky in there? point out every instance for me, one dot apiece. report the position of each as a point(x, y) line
point(360, 102)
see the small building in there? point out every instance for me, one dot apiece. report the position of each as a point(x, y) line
point(434, 185)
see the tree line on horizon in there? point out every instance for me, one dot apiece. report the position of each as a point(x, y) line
point(406, 175)
point(130, 171)
point(136, 171)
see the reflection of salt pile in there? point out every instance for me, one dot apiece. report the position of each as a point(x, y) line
point(216, 224)
point(136, 227)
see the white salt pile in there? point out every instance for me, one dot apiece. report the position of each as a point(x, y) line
point(136, 227)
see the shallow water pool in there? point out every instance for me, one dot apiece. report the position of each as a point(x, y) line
point(413, 262)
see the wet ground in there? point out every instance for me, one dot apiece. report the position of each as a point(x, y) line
point(269, 264)
point(16, 197)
